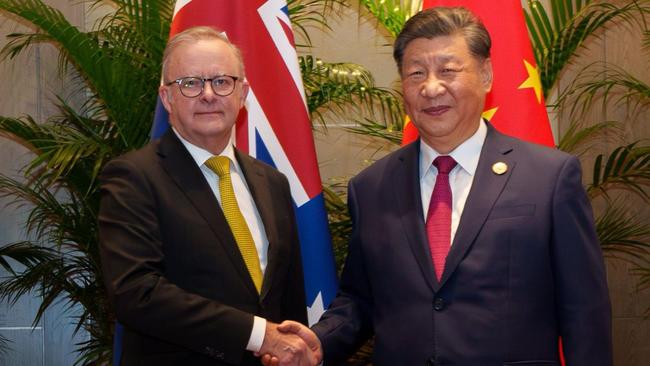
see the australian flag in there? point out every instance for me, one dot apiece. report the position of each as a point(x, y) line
point(275, 126)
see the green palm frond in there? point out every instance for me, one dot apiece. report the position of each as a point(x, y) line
point(578, 139)
point(392, 14)
point(607, 82)
point(53, 275)
point(627, 167)
point(73, 145)
point(306, 13)
point(117, 65)
point(92, 350)
point(18, 42)
point(68, 223)
point(335, 87)
point(12, 288)
point(642, 269)
point(80, 48)
point(26, 130)
point(557, 37)
point(24, 253)
point(113, 58)
point(623, 234)
point(368, 127)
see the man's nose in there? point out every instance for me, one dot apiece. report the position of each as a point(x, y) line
point(208, 93)
point(432, 87)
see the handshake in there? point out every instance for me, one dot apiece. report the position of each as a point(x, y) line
point(290, 343)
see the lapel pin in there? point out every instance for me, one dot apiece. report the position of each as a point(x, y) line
point(499, 168)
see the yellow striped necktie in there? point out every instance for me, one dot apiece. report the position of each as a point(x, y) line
point(221, 166)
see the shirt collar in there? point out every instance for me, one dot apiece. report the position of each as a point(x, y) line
point(466, 154)
point(200, 155)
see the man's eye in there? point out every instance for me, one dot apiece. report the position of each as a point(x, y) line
point(222, 82)
point(191, 83)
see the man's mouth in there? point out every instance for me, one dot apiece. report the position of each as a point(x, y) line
point(437, 110)
point(209, 113)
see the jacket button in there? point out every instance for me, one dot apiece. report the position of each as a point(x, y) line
point(438, 304)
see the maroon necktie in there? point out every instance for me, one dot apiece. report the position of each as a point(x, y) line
point(439, 215)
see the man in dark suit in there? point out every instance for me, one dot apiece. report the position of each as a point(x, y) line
point(199, 244)
point(469, 247)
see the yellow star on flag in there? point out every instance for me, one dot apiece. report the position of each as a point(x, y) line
point(488, 114)
point(533, 81)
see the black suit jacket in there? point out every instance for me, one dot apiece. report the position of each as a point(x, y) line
point(172, 267)
point(525, 267)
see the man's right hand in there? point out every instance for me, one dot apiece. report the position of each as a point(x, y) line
point(286, 348)
point(307, 335)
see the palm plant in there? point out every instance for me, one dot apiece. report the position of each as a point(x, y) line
point(557, 40)
point(118, 63)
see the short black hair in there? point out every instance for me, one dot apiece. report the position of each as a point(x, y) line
point(444, 21)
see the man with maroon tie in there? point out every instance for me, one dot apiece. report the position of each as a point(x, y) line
point(469, 247)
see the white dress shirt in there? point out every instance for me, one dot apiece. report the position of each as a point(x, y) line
point(460, 178)
point(248, 209)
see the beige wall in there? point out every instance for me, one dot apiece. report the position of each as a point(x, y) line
point(355, 39)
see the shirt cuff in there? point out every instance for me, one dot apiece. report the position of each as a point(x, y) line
point(257, 334)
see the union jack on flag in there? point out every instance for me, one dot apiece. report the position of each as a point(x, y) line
point(275, 126)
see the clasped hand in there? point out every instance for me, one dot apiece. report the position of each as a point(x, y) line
point(290, 343)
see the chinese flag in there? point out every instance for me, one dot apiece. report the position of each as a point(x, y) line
point(515, 106)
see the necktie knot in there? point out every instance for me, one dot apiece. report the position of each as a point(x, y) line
point(444, 164)
point(219, 164)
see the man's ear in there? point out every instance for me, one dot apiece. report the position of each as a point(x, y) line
point(245, 88)
point(486, 74)
point(165, 97)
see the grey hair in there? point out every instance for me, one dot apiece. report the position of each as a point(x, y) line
point(195, 34)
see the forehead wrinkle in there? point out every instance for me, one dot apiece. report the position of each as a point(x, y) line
point(225, 63)
point(431, 59)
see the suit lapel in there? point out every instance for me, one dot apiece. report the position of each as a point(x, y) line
point(486, 189)
point(258, 184)
point(409, 205)
point(180, 166)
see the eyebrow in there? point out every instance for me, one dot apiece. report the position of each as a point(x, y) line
point(439, 59)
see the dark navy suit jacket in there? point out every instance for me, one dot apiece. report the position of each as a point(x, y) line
point(525, 267)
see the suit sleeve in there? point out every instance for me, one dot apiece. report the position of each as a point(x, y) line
point(133, 264)
point(347, 324)
point(582, 297)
